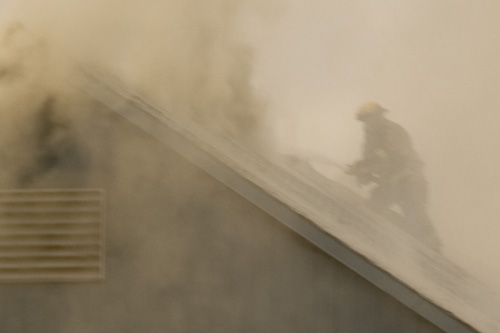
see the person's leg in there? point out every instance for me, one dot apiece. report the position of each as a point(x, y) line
point(413, 202)
point(381, 199)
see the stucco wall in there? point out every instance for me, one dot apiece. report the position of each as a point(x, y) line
point(187, 254)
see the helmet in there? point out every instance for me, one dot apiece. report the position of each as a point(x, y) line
point(369, 109)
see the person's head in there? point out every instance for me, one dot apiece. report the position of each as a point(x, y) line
point(370, 110)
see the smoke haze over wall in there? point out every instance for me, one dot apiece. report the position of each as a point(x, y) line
point(33, 93)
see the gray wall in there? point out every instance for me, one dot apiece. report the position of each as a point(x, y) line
point(187, 254)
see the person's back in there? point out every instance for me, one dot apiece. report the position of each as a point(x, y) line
point(390, 144)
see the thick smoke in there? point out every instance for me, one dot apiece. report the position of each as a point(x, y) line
point(37, 134)
point(189, 59)
point(184, 56)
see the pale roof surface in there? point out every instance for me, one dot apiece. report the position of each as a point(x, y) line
point(326, 213)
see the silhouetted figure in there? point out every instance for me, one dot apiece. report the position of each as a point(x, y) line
point(56, 148)
point(391, 163)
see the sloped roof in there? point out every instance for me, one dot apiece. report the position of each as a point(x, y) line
point(325, 213)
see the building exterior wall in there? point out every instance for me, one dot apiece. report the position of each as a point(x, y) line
point(185, 253)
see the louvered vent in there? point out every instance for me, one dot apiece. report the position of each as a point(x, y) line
point(51, 235)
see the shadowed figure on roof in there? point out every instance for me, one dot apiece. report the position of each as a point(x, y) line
point(59, 154)
point(390, 162)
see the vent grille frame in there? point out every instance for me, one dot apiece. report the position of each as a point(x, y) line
point(52, 235)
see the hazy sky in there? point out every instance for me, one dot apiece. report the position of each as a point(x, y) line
point(3, 3)
point(434, 64)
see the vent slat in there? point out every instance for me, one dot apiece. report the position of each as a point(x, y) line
point(59, 277)
point(77, 193)
point(46, 265)
point(42, 200)
point(51, 253)
point(42, 246)
point(74, 219)
point(9, 224)
point(47, 205)
point(60, 201)
point(49, 258)
point(48, 242)
point(46, 233)
point(51, 235)
point(71, 270)
point(49, 213)
point(55, 229)
point(74, 239)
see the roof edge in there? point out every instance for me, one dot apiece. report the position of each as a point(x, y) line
point(148, 119)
